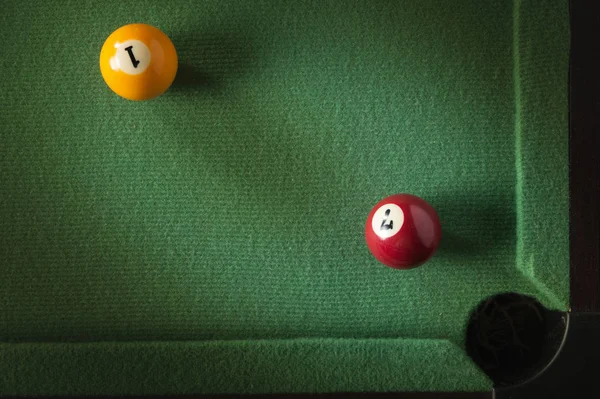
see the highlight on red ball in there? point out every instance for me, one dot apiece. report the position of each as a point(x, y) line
point(403, 231)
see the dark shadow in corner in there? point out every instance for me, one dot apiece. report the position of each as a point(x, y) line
point(512, 337)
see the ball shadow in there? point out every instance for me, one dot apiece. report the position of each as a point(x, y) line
point(258, 154)
point(210, 62)
point(474, 225)
point(190, 78)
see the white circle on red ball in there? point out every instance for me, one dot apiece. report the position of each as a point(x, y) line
point(387, 220)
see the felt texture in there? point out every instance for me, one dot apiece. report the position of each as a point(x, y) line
point(302, 365)
point(542, 147)
point(224, 221)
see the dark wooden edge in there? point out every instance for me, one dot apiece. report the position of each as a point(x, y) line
point(573, 371)
point(366, 395)
point(584, 174)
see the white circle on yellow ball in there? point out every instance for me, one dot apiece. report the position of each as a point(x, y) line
point(131, 56)
point(387, 220)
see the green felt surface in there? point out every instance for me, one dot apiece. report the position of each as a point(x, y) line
point(248, 366)
point(212, 240)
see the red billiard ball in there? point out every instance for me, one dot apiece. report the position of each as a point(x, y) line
point(403, 231)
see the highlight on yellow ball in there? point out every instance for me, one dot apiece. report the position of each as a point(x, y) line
point(138, 62)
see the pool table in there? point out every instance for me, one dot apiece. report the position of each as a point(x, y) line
point(211, 241)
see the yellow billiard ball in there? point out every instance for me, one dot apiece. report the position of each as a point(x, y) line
point(138, 62)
